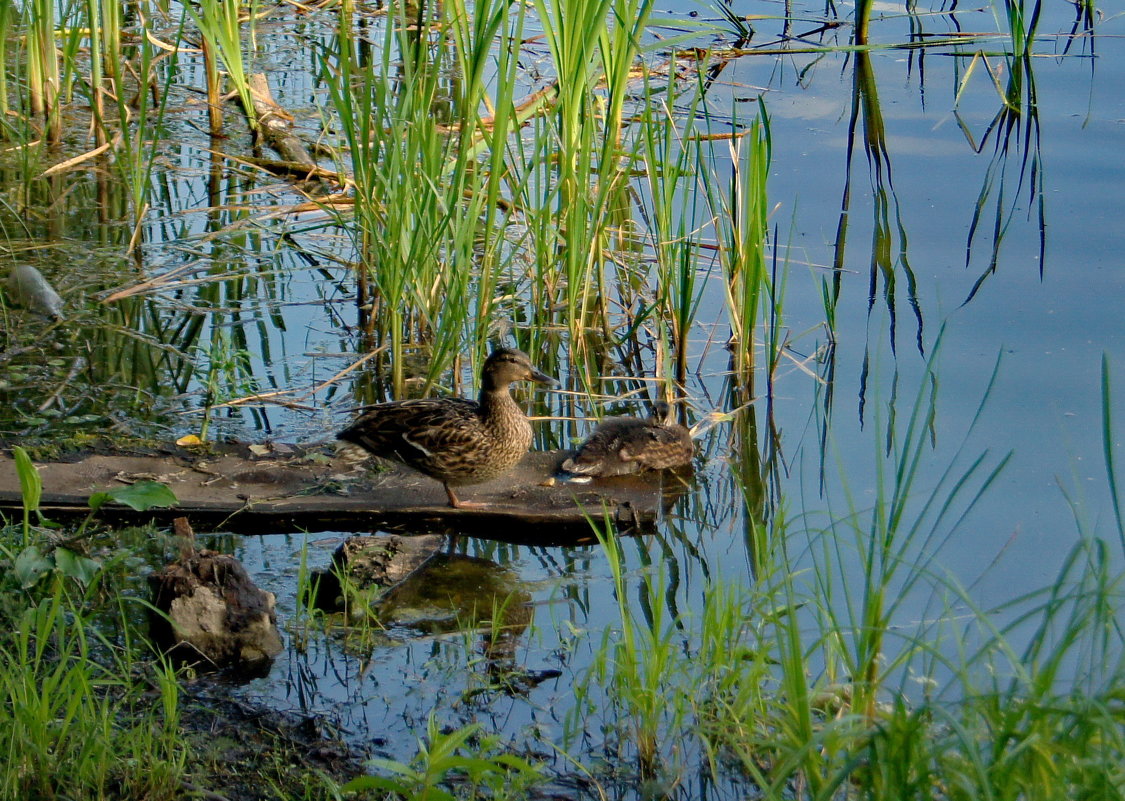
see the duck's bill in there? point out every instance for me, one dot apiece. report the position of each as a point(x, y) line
point(542, 378)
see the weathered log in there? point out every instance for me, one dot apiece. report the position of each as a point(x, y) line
point(275, 124)
point(292, 490)
point(369, 566)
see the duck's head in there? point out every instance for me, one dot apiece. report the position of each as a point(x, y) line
point(507, 365)
point(662, 413)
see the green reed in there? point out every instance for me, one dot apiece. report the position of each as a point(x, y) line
point(1021, 19)
point(584, 201)
point(537, 211)
point(1107, 450)
point(1017, 163)
point(670, 158)
point(490, 77)
point(103, 38)
point(64, 709)
point(740, 220)
point(1031, 721)
point(8, 18)
point(226, 373)
point(639, 666)
point(429, 215)
point(443, 754)
point(96, 24)
point(112, 20)
point(403, 201)
point(809, 682)
point(142, 118)
point(221, 28)
point(43, 76)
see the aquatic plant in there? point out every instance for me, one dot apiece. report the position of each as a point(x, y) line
point(463, 755)
point(142, 134)
point(410, 138)
point(77, 717)
point(740, 219)
point(43, 77)
point(220, 24)
point(72, 698)
point(811, 683)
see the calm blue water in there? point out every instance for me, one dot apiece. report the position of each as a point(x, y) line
point(1048, 321)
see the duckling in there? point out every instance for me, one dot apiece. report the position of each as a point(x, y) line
point(455, 440)
point(621, 445)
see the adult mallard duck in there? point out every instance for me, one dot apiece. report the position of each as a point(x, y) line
point(454, 440)
point(621, 445)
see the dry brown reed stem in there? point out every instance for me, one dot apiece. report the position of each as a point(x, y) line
point(272, 396)
point(540, 102)
point(298, 170)
point(63, 166)
point(155, 282)
point(273, 167)
point(214, 90)
point(715, 137)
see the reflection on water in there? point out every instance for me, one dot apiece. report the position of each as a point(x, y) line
point(1016, 166)
point(229, 297)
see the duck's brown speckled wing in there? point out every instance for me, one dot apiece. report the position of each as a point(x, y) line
point(656, 447)
point(418, 432)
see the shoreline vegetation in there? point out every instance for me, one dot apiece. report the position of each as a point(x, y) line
point(557, 175)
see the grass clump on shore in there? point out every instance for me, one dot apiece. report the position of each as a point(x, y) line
point(86, 716)
point(85, 726)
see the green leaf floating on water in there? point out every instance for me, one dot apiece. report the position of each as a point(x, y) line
point(142, 496)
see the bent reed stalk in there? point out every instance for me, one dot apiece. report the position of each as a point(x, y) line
point(220, 27)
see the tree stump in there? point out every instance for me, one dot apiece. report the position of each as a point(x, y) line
point(214, 615)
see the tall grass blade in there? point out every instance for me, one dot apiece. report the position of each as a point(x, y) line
point(220, 26)
point(1108, 449)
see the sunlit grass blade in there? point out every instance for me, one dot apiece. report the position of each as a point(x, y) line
point(44, 82)
point(220, 25)
point(740, 219)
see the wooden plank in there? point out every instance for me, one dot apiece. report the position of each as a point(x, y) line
point(305, 491)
